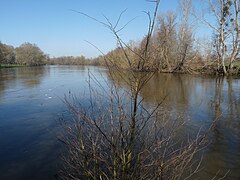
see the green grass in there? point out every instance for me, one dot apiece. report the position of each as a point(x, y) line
point(10, 65)
point(236, 64)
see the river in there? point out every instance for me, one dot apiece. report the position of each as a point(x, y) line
point(31, 104)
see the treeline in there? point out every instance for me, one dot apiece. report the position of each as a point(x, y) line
point(71, 60)
point(29, 54)
point(177, 47)
point(26, 54)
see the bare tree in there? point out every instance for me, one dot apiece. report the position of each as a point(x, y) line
point(234, 34)
point(30, 54)
point(226, 31)
point(7, 55)
point(185, 35)
point(116, 136)
point(165, 40)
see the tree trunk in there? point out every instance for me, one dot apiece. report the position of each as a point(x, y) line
point(236, 39)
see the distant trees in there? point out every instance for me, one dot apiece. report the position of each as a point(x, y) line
point(70, 60)
point(30, 54)
point(26, 54)
point(7, 55)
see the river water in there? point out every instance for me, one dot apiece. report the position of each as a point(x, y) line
point(31, 104)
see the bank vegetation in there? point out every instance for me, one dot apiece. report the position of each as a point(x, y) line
point(29, 54)
point(26, 54)
point(178, 47)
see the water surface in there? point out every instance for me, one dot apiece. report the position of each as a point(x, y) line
point(31, 104)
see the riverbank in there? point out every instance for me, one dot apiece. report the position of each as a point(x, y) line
point(206, 69)
point(10, 65)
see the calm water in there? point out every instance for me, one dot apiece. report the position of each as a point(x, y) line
point(31, 104)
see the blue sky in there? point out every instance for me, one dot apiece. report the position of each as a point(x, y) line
point(58, 31)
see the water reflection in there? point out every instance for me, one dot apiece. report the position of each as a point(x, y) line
point(226, 101)
point(29, 120)
point(29, 77)
point(193, 94)
point(223, 153)
point(30, 107)
point(203, 99)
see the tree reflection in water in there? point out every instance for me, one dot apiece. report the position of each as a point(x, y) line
point(203, 99)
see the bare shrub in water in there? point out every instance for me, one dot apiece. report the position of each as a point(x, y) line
point(103, 144)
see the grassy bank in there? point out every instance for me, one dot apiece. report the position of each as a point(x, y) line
point(10, 65)
point(236, 64)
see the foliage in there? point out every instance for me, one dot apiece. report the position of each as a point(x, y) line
point(30, 54)
point(70, 60)
point(7, 55)
point(27, 54)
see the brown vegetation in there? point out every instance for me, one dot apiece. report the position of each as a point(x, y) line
point(71, 60)
point(174, 48)
point(26, 54)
